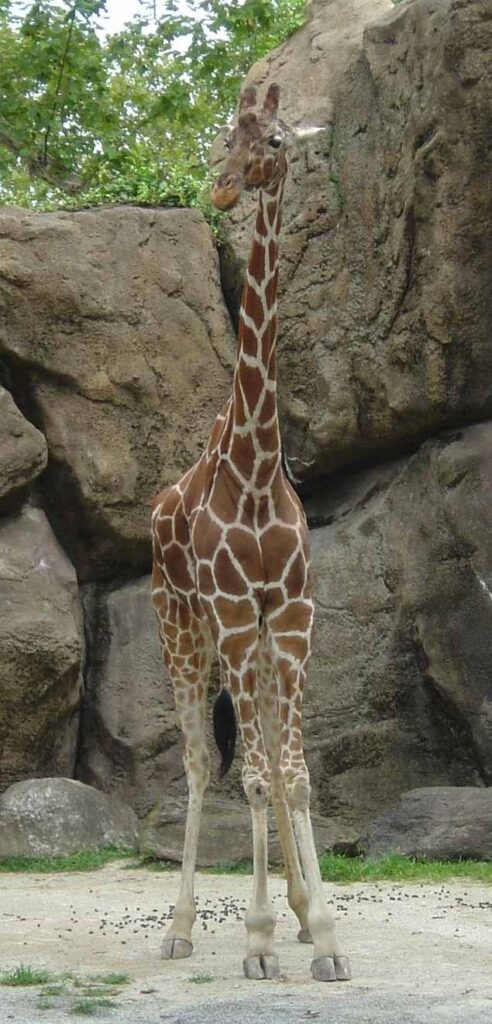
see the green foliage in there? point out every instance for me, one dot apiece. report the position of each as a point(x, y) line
point(87, 118)
point(86, 860)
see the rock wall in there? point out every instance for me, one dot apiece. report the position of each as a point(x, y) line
point(116, 352)
point(386, 254)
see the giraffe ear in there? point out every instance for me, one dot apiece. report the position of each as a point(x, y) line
point(247, 98)
point(271, 99)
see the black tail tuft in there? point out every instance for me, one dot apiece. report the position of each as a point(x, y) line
point(225, 730)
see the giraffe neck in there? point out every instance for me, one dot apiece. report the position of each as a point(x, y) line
point(256, 446)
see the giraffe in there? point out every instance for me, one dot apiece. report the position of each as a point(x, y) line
point(231, 573)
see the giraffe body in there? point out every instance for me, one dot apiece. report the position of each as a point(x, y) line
point(231, 573)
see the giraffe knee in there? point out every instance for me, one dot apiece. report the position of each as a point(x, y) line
point(197, 767)
point(297, 788)
point(257, 791)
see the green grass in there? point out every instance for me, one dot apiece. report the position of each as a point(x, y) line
point(111, 979)
point(395, 868)
point(23, 975)
point(89, 1007)
point(44, 1004)
point(54, 990)
point(147, 860)
point(88, 995)
point(86, 860)
point(230, 867)
point(201, 979)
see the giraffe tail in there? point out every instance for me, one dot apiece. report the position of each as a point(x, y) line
point(225, 730)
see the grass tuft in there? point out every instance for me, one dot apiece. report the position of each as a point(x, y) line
point(44, 1004)
point(113, 978)
point(396, 868)
point(85, 860)
point(89, 1007)
point(23, 975)
point(201, 979)
point(230, 867)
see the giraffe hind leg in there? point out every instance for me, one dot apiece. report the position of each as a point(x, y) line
point(290, 656)
point(297, 892)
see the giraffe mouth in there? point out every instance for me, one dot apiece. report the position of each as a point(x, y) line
point(225, 198)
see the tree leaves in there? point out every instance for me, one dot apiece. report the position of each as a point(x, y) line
point(87, 118)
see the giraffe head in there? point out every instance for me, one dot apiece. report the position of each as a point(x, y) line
point(255, 149)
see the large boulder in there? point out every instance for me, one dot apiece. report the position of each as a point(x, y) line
point(116, 336)
point(41, 650)
point(225, 832)
point(439, 823)
point(385, 299)
point(399, 692)
point(23, 453)
point(59, 817)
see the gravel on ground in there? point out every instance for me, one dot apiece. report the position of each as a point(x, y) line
point(420, 953)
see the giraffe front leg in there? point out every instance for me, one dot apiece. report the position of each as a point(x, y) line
point(329, 962)
point(297, 891)
point(260, 961)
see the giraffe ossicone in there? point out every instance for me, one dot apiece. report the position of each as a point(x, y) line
point(231, 573)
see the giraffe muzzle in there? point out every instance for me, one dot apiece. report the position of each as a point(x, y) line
point(226, 191)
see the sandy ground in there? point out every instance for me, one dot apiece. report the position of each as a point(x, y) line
point(419, 953)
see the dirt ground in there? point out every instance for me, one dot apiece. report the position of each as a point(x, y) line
point(419, 952)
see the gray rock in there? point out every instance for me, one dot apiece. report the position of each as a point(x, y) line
point(399, 692)
point(41, 650)
point(130, 740)
point(23, 453)
point(436, 823)
point(58, 817)
point(120, 337)
point(385, 300)
point(225, 833)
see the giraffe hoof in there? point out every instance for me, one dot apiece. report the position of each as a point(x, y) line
point(342, 967)
point(304, 935)
point(323, 968)
point(259, 967)
point(176, 949)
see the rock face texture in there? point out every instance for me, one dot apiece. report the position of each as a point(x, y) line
point(385, 302)
point(225, 834)
point(130, 739)
point(23, 453)
point(116, 351)
point(114, 324)
point(399, 688)
point(41, 650)
point(58, 817)
point(444, 823)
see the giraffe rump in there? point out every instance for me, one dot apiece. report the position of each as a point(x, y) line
point(225, 730)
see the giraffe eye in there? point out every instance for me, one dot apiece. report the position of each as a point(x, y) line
point(275, 141)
